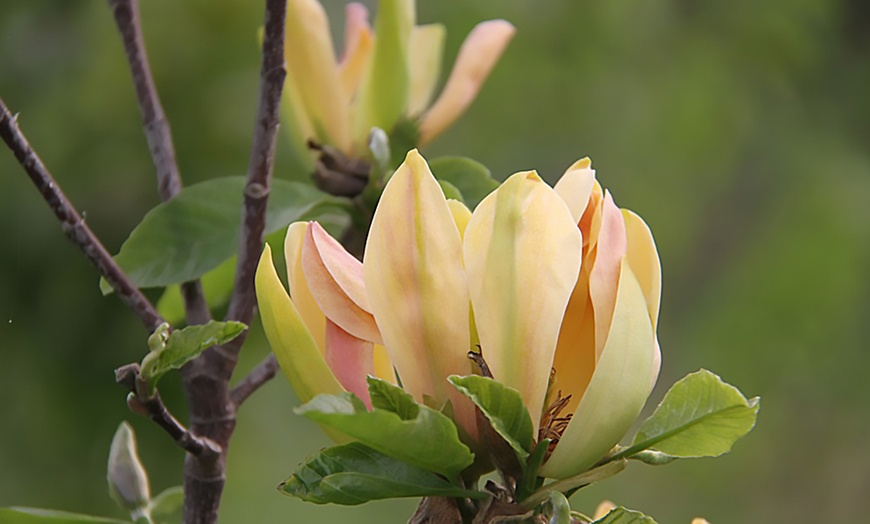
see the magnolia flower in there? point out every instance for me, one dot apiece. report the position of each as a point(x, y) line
point(606, 506)
point(557, 286)
point(382, 76)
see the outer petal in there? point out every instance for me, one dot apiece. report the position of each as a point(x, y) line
point(424, 61)
point(383, 96)
point(618, 389)
point(310, 59)
point(478, 55)
point(522, 255)
point(417, 286)
point(575, 186)
point(336, 281)
point(297, 353)
point(358, 44)
point(301, 295)
point(604, 274)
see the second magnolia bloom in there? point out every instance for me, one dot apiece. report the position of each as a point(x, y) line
point(557, 286)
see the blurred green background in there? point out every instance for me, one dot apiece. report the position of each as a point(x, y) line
point(739, 129)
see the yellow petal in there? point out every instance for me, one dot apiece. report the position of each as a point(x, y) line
point(461, 215)
point(603, 509)
point(522, 255)
point(575, 352)
point(424, 61)
point(618, 389)
point(575, 186)
point(294, 348)
point(335, 278)
point(383, 365)
point(301, 295)
point(310, 60)
point(416, 283)
point(358, 45)
point(699, 520)
point(477, 56)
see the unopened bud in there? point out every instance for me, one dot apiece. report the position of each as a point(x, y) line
point(128, 480)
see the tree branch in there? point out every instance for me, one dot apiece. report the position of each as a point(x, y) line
point(72, 223)
point(272, 74)
point(264, 372)
point(157, 132)
point(146, 403)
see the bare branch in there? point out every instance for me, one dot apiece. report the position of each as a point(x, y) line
point(272, 74)
point(157, 130)
point(72, 223)
point(149, 404)
point(264, 372)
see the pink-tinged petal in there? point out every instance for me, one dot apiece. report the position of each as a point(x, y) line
point(351, 360)
point(424, 61)
point(417, 286)
point(522, 255)
point(478, 55)
point(461, 215)
point(294, 348)
point(604, 274)
point(301, 295)
point(335, 278)
point(618, 389)
point(310, 61)
point(358, 45)
point(575, 186)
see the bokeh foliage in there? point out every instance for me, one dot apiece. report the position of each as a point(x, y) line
point(739, 129)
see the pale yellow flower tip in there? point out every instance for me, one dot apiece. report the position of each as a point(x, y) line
point(603, 509)
point(699, 520)
point(478, 55)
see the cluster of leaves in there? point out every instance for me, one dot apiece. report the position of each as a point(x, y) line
point(405, 449)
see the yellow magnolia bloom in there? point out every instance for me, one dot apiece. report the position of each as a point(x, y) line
point(382, 75)
point(558, 287)
point(606, 506)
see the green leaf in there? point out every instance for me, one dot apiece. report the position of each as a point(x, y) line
point(404, 137)
point(530, 480)
point(217, 286)
point(354, 473)
point(472, 178)
point(429, 440)
point(558, 509)
point(700, 416)
point(184, 345)
point(196, 231)
point(19, 515)
point(450, 191)
point(624, 516)
point(392, 398)
point(166, 508)
point(504, 408)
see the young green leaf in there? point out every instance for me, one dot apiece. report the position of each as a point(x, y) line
point(196, 231)
point(217, 286)
point(166, 508)
point(503, 407)
point(354, 473)
point(429, 440)
point(624, 516)
point(530, 481)
point(451, 191)
point(392, 398)
point(19, 515)
point(184, 345)
point(472, 178)
point(700, 416)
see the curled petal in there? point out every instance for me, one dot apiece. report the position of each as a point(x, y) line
point(575, 186)
point(301, 295)
point(336, 281)
point(478, 55)
point(461, 215)
point(604, 274)
point(310, 59)
point(618, 389)
point(522, 255)
point(575, 352)
point(358, 44)
point(351, 360)
point(417, 286)
point(643, 257)
point(294, 348)
point(424, 61)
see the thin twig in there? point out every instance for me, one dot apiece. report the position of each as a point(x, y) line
point(264, 372)
point(157, 132)
point(149, 404)
point(156, 126)
point(272, 74)
point(72, 223)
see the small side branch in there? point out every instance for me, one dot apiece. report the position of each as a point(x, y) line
point(264, 372)
point(146, 403)
point(157, 130)
point(272, 74)
point(72, 223)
